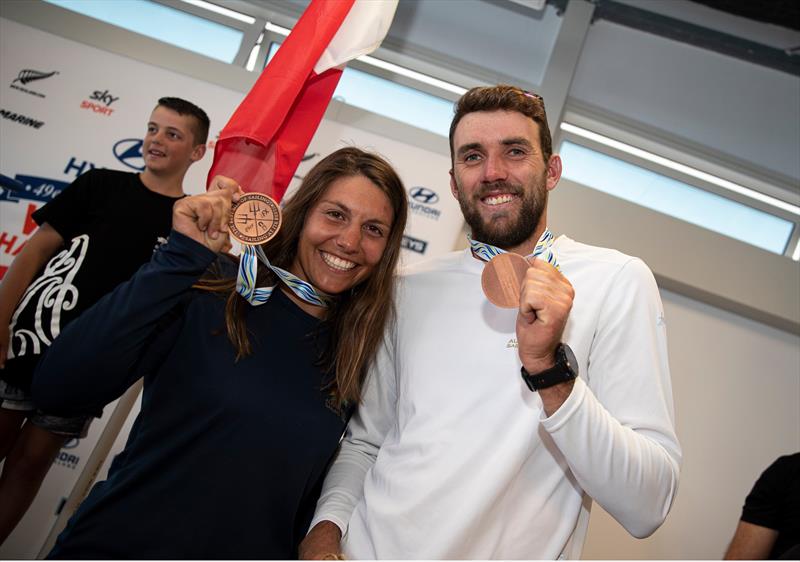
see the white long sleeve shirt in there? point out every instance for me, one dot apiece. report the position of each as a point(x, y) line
point(450, 455)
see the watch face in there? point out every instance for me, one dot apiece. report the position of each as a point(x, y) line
point(569, 358)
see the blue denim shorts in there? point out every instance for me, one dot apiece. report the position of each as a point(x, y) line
point(15, 398)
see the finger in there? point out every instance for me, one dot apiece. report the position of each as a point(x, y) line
point(222, 183)
point(203, 213)
point(237, 194)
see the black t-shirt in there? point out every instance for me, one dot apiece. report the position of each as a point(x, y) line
point(110, 223)
point(774, 502)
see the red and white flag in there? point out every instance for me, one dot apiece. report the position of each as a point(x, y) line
point(268, 134)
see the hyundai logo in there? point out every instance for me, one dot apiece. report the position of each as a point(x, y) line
point(129, 152)
point(423, 195)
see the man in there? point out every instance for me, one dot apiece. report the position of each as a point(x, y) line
point(453, 454)
point(91, 237)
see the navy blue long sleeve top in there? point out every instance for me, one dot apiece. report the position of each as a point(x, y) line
point(226, 458)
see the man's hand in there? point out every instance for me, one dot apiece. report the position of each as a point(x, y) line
point(544, 306)
point(323, 542)
point(204, 218)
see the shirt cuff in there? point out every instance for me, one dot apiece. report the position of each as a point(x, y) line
point(567, 409)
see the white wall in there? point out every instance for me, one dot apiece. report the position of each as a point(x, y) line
point(737, 400)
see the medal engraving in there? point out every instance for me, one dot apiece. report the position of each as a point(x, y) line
point(255, 219)
point(502, 279)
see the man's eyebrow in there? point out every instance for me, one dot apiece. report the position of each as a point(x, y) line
point(516, 140)
point(467, 147)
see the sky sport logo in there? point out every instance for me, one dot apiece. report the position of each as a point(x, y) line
point(28, 75)
point(420, 199)
point(100, 102)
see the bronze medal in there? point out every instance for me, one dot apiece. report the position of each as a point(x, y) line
point(255, 219)
point(502, 279)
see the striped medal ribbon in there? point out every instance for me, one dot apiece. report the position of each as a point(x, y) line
point(542, 250)
point(246, 280)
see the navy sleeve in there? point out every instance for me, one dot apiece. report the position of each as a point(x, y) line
point(98, 356)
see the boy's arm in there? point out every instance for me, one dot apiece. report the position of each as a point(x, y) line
point(37, 251)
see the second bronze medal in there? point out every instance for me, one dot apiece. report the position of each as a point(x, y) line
point(502, 279)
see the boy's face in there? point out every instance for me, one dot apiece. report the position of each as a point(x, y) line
point(169, 145)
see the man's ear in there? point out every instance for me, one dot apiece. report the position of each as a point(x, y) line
point(453, 186)
point(198, 152)
point(553, 171)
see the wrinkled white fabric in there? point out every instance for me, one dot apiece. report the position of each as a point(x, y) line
point(451, 455)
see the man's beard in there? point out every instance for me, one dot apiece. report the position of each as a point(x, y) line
point(505, 230)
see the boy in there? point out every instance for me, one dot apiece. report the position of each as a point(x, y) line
point(92, 237)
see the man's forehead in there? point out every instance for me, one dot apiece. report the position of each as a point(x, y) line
point(488, 127)
point(167, 117)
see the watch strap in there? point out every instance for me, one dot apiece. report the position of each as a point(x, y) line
point(559, 373)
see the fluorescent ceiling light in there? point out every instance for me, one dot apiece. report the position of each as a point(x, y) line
point(391, 67)
point(684, 169)
point(220, 10)
point(277, 29)
point(418, 76)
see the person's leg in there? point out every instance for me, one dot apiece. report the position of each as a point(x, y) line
point(23, 472)
point(10, 426)
point(15, 405)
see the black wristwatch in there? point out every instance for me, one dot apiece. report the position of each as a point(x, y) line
point(565, 369)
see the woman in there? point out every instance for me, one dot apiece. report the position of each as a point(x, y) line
point(228, 453)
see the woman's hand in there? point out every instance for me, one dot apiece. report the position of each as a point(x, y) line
point(204, 218)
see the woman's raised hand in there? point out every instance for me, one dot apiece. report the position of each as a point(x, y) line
point(204, 218)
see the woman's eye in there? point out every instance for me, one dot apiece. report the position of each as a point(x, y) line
point(374, 230)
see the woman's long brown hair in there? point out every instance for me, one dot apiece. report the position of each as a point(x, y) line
point(358, 317)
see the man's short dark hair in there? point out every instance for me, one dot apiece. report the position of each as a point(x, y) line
point(183, 107)
point(504, 98)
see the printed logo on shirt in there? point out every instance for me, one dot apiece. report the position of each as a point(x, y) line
point(21, 119)
point(27, 76)
point(129, 152)
point(414, 244)
point(420, 201)
point(100, 102)
point(50, 294)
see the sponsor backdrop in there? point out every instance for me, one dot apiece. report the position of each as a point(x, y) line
point(66, 108)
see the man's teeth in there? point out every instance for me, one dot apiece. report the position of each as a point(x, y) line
point(337, 263)
point(498, 199)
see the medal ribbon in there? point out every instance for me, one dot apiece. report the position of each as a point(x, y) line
point(246, 280)
point(542, 250)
